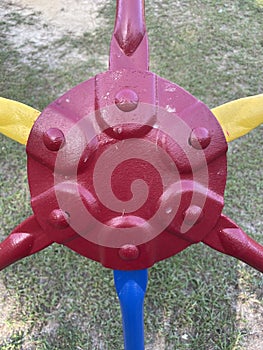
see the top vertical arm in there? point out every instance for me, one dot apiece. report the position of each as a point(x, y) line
point(129, 44)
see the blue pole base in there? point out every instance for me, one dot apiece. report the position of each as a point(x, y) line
point(131, 287)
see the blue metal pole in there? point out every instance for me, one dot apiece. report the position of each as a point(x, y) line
point(131, 287)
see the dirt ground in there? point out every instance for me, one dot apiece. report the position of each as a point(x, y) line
point(51, 22)
point(76, 16)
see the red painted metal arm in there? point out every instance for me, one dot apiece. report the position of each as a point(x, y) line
point(129, 44)
point(230, 239)
point(26, 239)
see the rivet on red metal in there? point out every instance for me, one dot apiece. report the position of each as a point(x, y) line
point(200, 138)
point(126, 100)
point(193, 215)
point(58, 219)
point(129, 252)
point(53, 139)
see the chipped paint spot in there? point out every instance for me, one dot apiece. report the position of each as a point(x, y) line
point(170, 109)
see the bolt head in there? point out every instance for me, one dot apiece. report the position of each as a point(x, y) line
point(58, 219)
point(129, 252)
point(193, 215)
point(53, 139)
point(126, 100)
point(200, 138)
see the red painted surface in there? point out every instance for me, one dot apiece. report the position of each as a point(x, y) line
point(26, 239)
point(127, 168)
point(230, 239)
point(64, 113)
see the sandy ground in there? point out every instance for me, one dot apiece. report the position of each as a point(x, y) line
point(52, 21)
point(76, 16)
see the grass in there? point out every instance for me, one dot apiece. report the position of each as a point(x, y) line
point(59, 300)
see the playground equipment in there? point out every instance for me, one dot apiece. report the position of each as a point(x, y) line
point(129, 169)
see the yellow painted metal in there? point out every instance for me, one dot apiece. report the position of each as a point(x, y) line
point(236, 118)
point(16, 119)
point(239, 117)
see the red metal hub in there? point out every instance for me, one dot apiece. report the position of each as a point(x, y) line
point(133, 182)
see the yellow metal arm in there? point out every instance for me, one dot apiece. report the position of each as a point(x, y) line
point(16, 119)
point(239, 117)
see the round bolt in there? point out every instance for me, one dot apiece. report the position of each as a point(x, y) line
point(193, 215)
point(58, 219)
point(200, 138)
point(53, 139)
point(126, 100)
point(129, 252)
